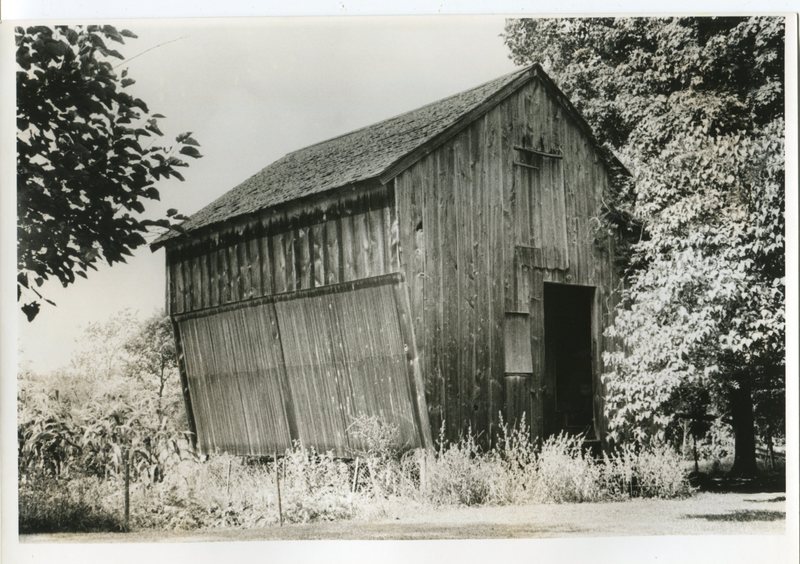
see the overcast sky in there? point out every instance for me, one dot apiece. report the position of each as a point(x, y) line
point(251, 92)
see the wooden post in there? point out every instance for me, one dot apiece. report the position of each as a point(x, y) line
point(127, 462)
point(228, 482)
point(355, 476)
point(423, 471)
point(278, 487)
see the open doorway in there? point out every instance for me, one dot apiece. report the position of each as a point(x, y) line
point(569, 381)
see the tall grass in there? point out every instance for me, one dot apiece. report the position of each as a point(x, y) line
point(382, 479)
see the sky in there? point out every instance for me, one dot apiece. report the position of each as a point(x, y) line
point(252, 91)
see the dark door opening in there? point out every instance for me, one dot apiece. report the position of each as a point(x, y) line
point(569, 384)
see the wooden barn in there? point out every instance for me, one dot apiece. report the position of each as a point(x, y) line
point(442, 267)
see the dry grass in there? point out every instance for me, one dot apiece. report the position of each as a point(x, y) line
point(226, 491)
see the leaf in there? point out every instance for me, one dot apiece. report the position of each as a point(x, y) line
point(31, 310)
point(190, 152)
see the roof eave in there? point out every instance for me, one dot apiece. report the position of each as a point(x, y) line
point(173, 237)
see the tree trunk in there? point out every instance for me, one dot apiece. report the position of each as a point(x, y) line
point(744, 461)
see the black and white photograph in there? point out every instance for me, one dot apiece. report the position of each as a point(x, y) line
point(470, 278)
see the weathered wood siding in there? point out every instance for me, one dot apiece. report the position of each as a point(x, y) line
point(477, 226)
point(303, 366)
point(483, 224)
point(347, 239)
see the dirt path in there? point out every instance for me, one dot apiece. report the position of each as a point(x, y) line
point(706, 513)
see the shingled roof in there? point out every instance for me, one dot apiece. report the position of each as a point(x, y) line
point(358, 156)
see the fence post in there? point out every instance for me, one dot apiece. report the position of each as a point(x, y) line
point(127, 462)
point(278, 487)
point(355, 476)
point(228, 482)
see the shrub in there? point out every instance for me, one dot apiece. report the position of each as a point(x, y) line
point(378, 445)
point(459, 473)
point(565, 473)
point(317, 487)
point(660, 472)
point(515, 463)
point(650, 470)
point(49, 505)
point(228, 491)
point(375, 437)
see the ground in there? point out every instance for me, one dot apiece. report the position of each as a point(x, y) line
point(702, 514)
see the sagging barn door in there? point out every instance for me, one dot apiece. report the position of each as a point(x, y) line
point(303, 366)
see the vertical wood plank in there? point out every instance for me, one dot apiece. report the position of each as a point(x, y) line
point(278, 255)
point(361, 247)
point(317, 243)
point(333, 251)
point(376, 241)
point(450, 283)
point(234, 273)
point(197, 281)
point(255, 260)
point(386, 236)
point(267, 264)
point(480, 210)
point(302, 250)
point(348, 249)
point(180, 286)
point(245, 270)
point(292, 282)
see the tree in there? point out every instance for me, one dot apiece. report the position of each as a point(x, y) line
point(84, 170)
point(120, 394)
point(694, 107)
point(152, 359)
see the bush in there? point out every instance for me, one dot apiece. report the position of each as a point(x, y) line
point(654, 470)
point(48, 505)
point(229, 491)
point(514, 479)
point(459, 473)
point(661, 474)
point(565, 473)
point(317, 487)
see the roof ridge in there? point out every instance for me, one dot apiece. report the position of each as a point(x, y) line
point(411, 111)
point(352, 156)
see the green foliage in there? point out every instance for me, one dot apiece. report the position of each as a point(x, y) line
point(88, 156)
point(694, 107)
